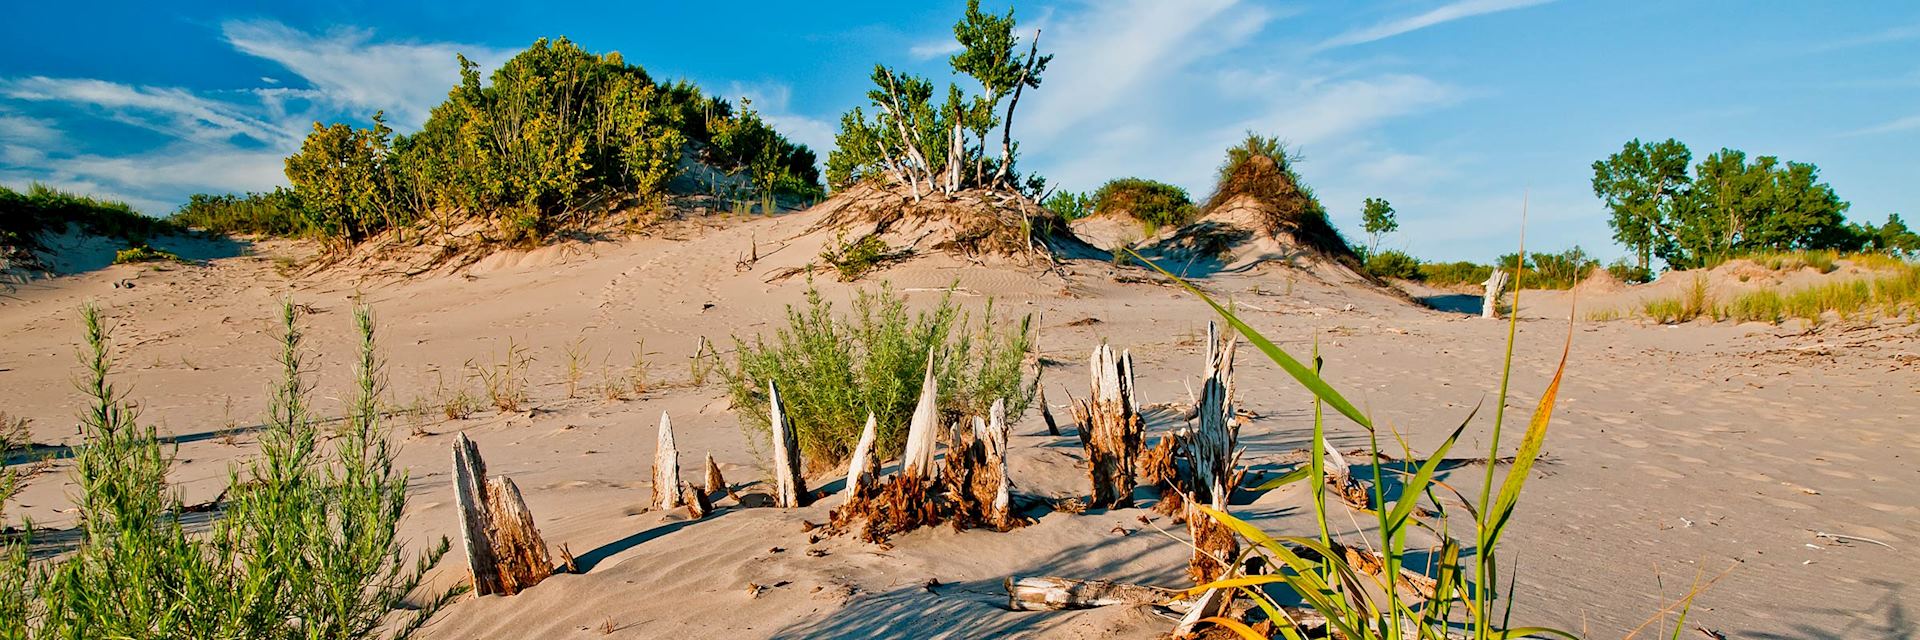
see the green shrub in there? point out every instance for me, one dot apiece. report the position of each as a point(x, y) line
point(273, 213)
point(855, 258)
point(1393, 264)
point(1070, 205)
point(43, 209)
point(1443, 274)
point(142, 253)
point(1155, 204)
point(834, 371)
point(306, 549)
point(1627, 272)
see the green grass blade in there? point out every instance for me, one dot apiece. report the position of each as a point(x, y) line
point(1530, 447)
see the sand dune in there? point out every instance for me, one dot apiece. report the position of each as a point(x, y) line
point(1675, 450)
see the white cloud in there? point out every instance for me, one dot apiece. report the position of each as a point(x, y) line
point(934, 49)
point(354, 72)
point(1320, 111)
point(1439, 15)
point(174, 112)
point(27, 130)
point(1897, 125)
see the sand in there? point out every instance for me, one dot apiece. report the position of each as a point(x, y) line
point(1675, 450)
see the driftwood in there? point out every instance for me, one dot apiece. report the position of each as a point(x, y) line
point(1490, 303)
point(1054, 594)
point(666, 468)
point(716, 484)
point(505, 553)
point(917, 458)
point(695, 497)
point(976, 476)
point(790, 487)
point(1112, 431)
point(1340, 479)
point(1209, 453)
point(1211, 604)
point(865, 462)
point(1046, 413)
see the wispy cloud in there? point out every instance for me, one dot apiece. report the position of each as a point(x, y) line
point(353, 71)
point(1896, 125)
point(934, 49)
point(1895, 34)
point(1439, 15)
point(174, 112)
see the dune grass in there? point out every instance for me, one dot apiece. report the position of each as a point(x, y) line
point(833, 371)
point(306, 546)
point(1891, 294)
point(1310, 569)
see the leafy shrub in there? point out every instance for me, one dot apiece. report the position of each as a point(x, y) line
point(834, 371)
point(1393, 264)
point(1627, 272)
point(43, 209)
point(1155, 204)
point(142, 253)
point(855, 258)
point(1070, 205)
point(307, 547)
point(273, 213)
point(1454, 273)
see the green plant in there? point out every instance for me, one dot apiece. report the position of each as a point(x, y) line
point(307, 546)
point(273, 213)
point(576, 365)
point(142, 253)
point(834, 371)
point(1069, 205)
point(1378, 219)
point(855, 258)
point(1155, 204)
point(1393, 264)
point(505, 380)
point(637, 371)
point(1314, 569)
point(1693, 303)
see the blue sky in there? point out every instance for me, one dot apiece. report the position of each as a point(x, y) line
point(1449, 109)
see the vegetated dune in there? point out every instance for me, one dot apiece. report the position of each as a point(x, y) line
point(1673, 451)
point(1601, 293)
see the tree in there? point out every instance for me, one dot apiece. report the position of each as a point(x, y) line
point(1737, 207)
point(1642, 185)
point(1378, 220)
point(340, 176)
point(911, 140)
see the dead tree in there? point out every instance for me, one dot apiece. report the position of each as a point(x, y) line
point(1209, 454)
point(505, 553)
point(666, 468)
point(923, 429)
point(860, 470)
point(976, 476)
point(716, 484)
point(1112, 430)
point(790, 487)
point(1490, 302)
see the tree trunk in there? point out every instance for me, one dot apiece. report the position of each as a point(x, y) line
point(1489, 303)
point(716, 484)
point(1113, 429)
point(1041, 593)
point(666, 468)
point(505, 553)
point(917, 459)
point(860, 470)
point(1006, 123)
point(1209, 454)
point(790, 487)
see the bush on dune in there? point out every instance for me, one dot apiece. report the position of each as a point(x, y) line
point(834, 371)
point(43, 209)
point(1155, 204)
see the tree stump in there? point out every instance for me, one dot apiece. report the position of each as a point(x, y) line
point(1209, 452)
point(922, 430)
point(666, 468)
point(716, 484)
point(790, 487)
point(861, 468)
point(698, 506)
point(1490, 303)
point(505, 553)
point(1113, 429)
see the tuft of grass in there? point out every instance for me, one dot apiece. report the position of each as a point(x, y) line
point(576, 365)
point(505, 380)
point(835, 370)
point(1316, 572)
point(1695, 302)
point(1889, 295)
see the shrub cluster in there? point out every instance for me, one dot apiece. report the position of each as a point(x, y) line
point(834, 371)
point(1155, 204)
point(272, 213)
point(43, 209)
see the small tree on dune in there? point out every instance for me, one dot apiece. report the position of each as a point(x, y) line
point(1378, 219)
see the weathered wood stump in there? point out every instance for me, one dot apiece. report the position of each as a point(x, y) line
point(1209, 454)
point(790, 486)
point(923, 429)
point(865, 462)
point(695, 497)
point(666, 468)
point(505, 553)
point(1112, 430)
point(1041, 593)
point(1490, 302)
point(716, 484)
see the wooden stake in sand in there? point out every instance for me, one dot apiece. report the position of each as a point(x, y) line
point(917, 459)
point(790, 487)
point(1046, 413)
point(505, 553)
point(999, 512)
point(861, 469)
point(1209, 453)
point(1113, 429)
point(1489, 303)
point(696, 498)
point(716, 484)
point(666, 468)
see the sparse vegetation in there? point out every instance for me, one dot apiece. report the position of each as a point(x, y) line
point(43, 209)
point(1393, 264)
point(307, 546)
point(1887, 295)
point(142, 253)
point(1069, 205)
point(833, 371)
point(272, 213)
point(855, 258)
point(504, 380)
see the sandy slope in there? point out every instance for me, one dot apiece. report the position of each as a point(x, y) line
point(1675, 449)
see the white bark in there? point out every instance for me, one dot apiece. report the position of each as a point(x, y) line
point(923, 429)
point(862, 464)
point(1489, 303)
point(666, 468)
point(790, 487)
